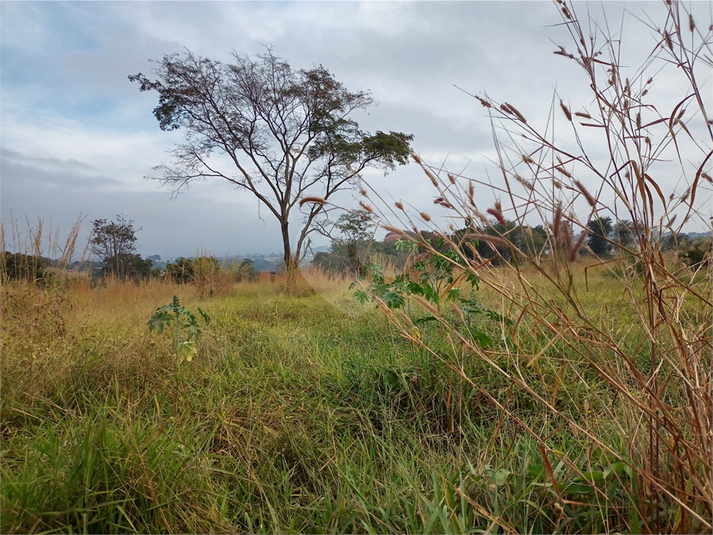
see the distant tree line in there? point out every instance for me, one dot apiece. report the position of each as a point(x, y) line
point(354, 246)
point(187, 270)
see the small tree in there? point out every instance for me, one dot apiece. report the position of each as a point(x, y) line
point(355, 229)
point(285, 135)
point(598, 238)
point(114, 243)
point(624, 233)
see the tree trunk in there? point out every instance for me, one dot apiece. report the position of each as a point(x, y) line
point(291, 264)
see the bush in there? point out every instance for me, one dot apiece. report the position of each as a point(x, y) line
point(19, 266)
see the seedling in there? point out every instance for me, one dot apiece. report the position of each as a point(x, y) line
point(187, 328)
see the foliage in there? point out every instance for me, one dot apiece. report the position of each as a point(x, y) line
point(246, 270)
point(114, 243)
point(19, 266)
point(299, 417)
point(187, 328)
point(338, 259)
point(432, 280)
point(598, 236)
point(697, 254)
point(650, 361)
point(130, 266)
point(185, 270)
point(287, 132)
point(351, 246)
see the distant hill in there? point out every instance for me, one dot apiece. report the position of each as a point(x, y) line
point(697, 235)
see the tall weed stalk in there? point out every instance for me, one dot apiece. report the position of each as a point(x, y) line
point(628, 379)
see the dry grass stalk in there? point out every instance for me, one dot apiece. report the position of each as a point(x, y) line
point(655, 358)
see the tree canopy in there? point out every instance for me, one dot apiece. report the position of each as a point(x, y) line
point(285, 135)
point(114, 242)
point(598, 239)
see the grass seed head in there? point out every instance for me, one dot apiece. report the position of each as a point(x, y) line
point(366, 207)
point(669, 42)
point(497, 214)
point(483, 102)
point(430, 175)
point(577, 246)
point(457, 311)
point(316, 200)
point(590, 199)
point(526, 183)
point(564, 171)
point(566, 111)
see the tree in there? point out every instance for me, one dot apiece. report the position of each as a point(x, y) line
point(355, 228)
point(284, 135)
point(115, 244)
point(21, 266)
point(598, 238)
point(185, 270)
point(128, 266)
point(624, 233)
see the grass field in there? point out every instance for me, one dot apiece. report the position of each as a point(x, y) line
point(307, 413)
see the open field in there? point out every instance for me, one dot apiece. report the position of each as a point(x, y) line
point(305, 414)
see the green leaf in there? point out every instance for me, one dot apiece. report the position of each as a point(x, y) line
point(481, 338)
point(419, 321)
point(536, 470)
point(159, 320)
point(187, 350)
point(578, 488)
point(501, 476)
point(593, 476)
point(205, 316)
point(362, 297)
point(616, 468)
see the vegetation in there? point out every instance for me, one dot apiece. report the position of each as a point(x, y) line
point(287, 133)
point(185, 325)
point(21, 266)
point(494, 380)
point(114, 243)
point(644, 364)
point(294, 415)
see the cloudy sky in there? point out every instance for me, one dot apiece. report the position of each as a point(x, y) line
point(79, 138)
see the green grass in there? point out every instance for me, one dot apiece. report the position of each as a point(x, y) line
point(294, 416)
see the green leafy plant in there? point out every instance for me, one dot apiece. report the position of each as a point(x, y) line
point(433, 279)
point(187, 328)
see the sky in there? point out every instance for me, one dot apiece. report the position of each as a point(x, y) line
point(78, 138)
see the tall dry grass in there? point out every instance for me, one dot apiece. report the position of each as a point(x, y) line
point(630, 155)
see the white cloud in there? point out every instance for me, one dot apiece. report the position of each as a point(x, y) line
point(70, 117)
